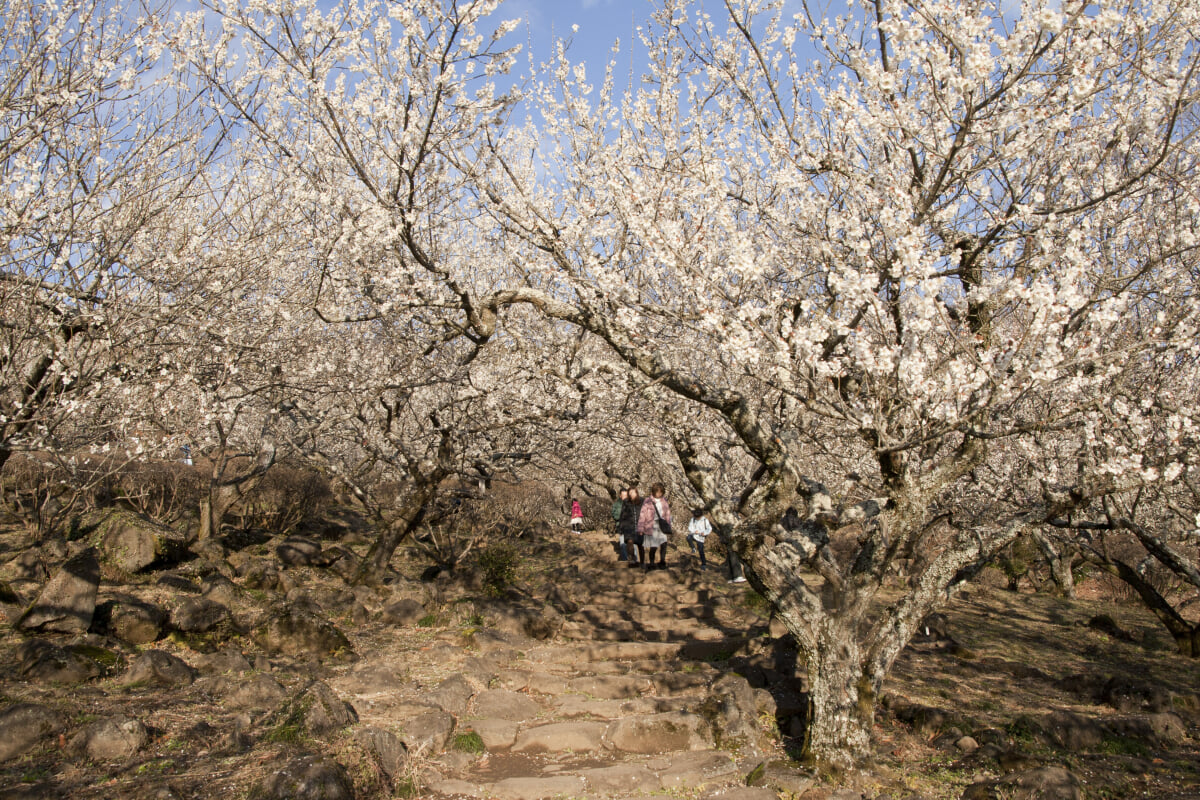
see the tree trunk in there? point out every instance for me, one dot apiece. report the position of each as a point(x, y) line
point(224, 492)
point(1059, 562)
point(412, 511)
point(841, 702)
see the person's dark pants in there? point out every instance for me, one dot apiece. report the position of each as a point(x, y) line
point(624, 548)
point(700, 551)
point(662, 555)
point(641, 554)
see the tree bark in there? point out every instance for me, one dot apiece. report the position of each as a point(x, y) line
point(412, 511)
point(224, 491)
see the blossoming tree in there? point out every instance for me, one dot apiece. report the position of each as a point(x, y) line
point(944, 235)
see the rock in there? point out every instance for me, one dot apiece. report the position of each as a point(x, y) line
point(924, 719)
point(505, 705)
point(294, 632)
point(537, 788)
point(427, 733)
point(319, 710)
point(660, 733)
point(180, 583)
point(298, 551)
point(560, 736)
point(198, 615)
point(1068, 730)
point(1045, 783)
point(159, 668)
point(68, 601)
point(132, 621)
point(342, 562)
point(731, 707)
point(261, 692)
point(131, 543)
point(609, 687)
point(219, 589)
point(693, 769)
point(966, 744)
point(748, 793)
point(783, 777)
point(44, 662)
point(307, 778)
point(113, 739)
point(453, 694)
point(1155, 729)
point(386, 748)
point(28, 566)
point(497, 734)
point(1126, 694)
point(23, 726)
point(404, 613)
point(621, 779)
point(223, 662)
point(541, 622)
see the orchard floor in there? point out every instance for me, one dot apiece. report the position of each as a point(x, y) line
point(619, 648)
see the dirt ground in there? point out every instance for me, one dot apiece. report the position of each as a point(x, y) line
point(1000, 659)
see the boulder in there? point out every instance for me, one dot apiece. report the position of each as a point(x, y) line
point(44, 662)
point(68, 601)
point(113, 739)
point(453, 694)
point(299, 551)
point(261, 692)
point(159, 668)
point(224, 662)
point(1067, 730)
point(318, 710)
point(404, 612)
point(1045, 783)
point(131, 543)
point(692, 769)
point(132, 621)
point(427, 733)
point(307, 777)
point(29, 566)
point(1157, 730)
point(386, 748)
point(23, 726)
point(731, 707)
point(295, 632)
point(1128, 694)
point(786, 778)
point(198, 615)
point(219, 589)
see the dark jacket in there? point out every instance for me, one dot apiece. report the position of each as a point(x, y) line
point(627, 524)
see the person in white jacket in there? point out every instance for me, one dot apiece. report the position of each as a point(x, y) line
point(698, 530)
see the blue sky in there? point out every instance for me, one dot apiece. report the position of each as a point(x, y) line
point(601, 22)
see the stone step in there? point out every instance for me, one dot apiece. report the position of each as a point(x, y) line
point(632, 651)
point(671, 773)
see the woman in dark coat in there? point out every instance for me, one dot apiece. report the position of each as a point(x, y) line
point(627, 525)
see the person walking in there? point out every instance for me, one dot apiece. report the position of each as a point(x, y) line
point(698, 530)
point(628, 526)
point(653, 523)
point(576, 516)
point(617, 507)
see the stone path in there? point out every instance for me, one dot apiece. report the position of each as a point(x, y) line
point(631, 697)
